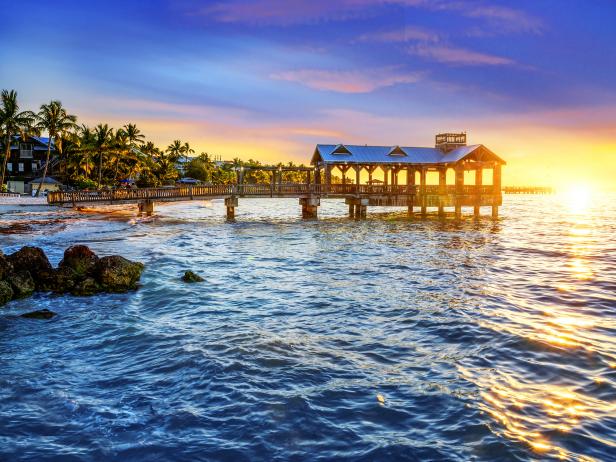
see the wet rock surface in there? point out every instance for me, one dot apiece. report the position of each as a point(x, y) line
point(21, 283)
point(191, 277)
point(117, 274)
point(81, 272)
point(39, 314)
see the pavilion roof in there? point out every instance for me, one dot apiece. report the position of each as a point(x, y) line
point(364, 154)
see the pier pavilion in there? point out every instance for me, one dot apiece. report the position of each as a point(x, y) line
point(450, 154)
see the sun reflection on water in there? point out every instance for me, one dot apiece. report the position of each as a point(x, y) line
point(529, 412)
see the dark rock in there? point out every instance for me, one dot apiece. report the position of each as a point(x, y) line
point(189, 276)
point(88, 286)
point(65, 279)
point(45, 281)
point(117, 274)
point(6, 267)
point(39, 314)
point(21, 283)
point(6, 293)
point(80, 259)
point(34, 260)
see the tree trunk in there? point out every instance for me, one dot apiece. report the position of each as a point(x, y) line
point(7, 154)
point(46, 165)
point(100, 169)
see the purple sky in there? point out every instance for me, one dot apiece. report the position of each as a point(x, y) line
point(533, 80)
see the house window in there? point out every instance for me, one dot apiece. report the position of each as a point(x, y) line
point(9, 166)
point(21, 167)
point(25, 151)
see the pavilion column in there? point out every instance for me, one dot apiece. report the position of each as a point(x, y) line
point(308, 177)
point(328, 178)
point(371, 169)
point(410, 189)
point(357, 179)
point(496, 193)
point(385, 174)
point(442, 190)
point(459, 190)
point(422, 185)
point(478, 184)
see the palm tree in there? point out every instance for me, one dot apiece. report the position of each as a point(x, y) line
point(54, 119)
point(12, 122)
point(175, 150)
point(122, 147)
point(186, 149)
point(103, 136)
point(134, 135)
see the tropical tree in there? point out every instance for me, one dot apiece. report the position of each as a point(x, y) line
point(201, 167)
point(175, 150)
point(12, 122)
point(134, 135)
point(186, 150)
point(103, 138)
point(54, 119)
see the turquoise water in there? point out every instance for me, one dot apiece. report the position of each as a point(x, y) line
point(383, 339)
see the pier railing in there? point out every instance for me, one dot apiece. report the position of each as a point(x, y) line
point(111, 196)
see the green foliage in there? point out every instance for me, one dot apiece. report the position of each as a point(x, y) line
point(83, 182)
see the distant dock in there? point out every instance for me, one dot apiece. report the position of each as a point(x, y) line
point(527, 190)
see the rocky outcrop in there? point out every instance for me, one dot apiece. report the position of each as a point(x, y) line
point(6, 267)
point(117, 274)
point(81, 272)
point(80, 259)
point(89, 286)
point(6, 293)
point(21, 283)
point(31, 259)
point(191, 277)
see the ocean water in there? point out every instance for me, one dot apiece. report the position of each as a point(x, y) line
point(383, 339)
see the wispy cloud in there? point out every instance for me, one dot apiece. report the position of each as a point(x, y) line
point(408, 34)
point(348, 81)
point(458, 56)
point(290, 12)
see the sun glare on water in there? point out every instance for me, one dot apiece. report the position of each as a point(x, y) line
point(578, 197)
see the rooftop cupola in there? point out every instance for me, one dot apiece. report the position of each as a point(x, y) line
point(449, 141)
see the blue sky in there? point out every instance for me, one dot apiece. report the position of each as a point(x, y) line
point(271, 78)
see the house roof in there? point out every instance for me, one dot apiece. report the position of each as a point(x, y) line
point(40, 142)
point(48, 180)
point(330, 153)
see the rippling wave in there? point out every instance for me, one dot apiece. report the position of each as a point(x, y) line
point(383, 339)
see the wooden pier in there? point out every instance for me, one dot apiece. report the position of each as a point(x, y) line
point(414, 163)
point(527, 190)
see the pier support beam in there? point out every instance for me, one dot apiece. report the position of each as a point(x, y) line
point(146, 207)
point(310, 206)
point(231, 203)
point(358, 207)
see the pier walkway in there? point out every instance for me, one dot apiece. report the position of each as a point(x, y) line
point(358, 197)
